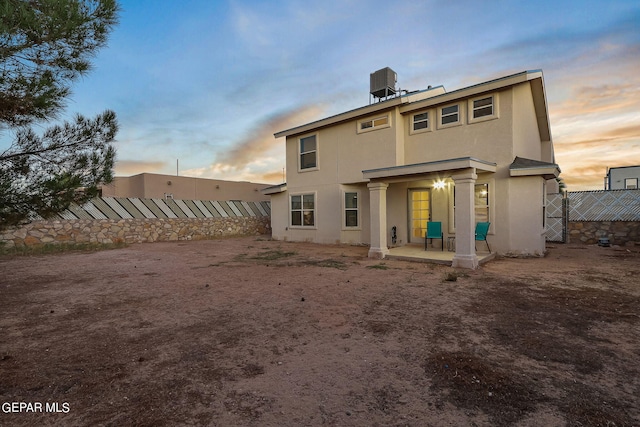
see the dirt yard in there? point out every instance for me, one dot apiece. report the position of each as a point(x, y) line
point(253, 332)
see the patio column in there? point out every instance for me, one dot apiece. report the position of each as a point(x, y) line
point(465, 217)
point(378, 219)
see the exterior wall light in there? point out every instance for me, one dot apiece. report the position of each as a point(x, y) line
point(439, 184)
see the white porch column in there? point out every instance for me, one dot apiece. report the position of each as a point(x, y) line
point(465, 217)
point(378, 218)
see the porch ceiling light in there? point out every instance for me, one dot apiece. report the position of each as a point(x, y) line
point(439, 184)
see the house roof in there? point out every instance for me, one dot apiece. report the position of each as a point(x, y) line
point(437, 95)
point(363, 111)
point(528, 167)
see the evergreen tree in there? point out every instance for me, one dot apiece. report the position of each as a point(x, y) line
point(45, 45)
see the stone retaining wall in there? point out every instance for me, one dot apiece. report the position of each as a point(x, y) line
point(132, 230)
point(619, 232)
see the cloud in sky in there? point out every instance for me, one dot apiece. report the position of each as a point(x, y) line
point(132, 167)
point(258, 156)
point(209, 82)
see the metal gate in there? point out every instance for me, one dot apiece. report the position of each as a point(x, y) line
point(556, 218)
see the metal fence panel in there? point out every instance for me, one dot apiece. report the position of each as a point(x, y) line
point(183, 206)
point(203, 208)
point(604, 205)
point(127, 208)
point(113, 204)
point(142, 207)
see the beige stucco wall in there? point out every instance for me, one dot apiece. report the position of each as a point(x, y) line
point(526, 136)
point(279, 216)
point(487, 140)
point(329, 216)
point(526, 227)
point(343, 154)
point(155, 186)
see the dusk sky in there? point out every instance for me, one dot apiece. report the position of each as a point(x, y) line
point(209, 82)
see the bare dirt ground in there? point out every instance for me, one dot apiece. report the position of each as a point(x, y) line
point(253, 332)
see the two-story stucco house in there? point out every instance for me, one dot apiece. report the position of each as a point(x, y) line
point(481, 153)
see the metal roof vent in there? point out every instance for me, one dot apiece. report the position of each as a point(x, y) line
point(383, 83)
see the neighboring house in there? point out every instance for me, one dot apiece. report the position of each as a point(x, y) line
point(156, 186)
point(481, 153)
point(622, 178)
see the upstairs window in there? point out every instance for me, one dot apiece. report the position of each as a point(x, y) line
point(421, 121)
point(373, 124)
point(631, 183)
point(308, 152)
point(483, 107)
point(450, 115)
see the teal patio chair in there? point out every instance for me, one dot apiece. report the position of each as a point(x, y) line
point(482, 228)
point(434, 231)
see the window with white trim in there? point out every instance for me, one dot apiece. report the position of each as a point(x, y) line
point(303, 210)
point(308, 150)
point(351, 212)
point(373, 124)
point(420, 121)
point(631, 183)
point(450, 115)
point(481, 201)
point(483, 108)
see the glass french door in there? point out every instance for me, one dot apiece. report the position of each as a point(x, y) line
point(419, 212)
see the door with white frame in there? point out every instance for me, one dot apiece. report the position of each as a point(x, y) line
point(419, 213)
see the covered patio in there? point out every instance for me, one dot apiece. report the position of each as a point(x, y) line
point(417, 253)
point(464, 173)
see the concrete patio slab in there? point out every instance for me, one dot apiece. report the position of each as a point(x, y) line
point(417, 253)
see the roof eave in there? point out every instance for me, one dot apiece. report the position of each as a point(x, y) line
point(430, 167)
point(367, 110)
point(407, 103)
point(470, 91)
point(547, 172)
point(274, 189)
point(342, 117)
